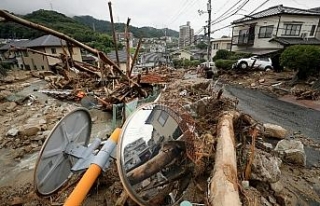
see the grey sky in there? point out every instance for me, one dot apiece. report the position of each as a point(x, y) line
point(156, 13)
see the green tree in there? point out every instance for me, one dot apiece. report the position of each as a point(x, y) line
point(222, 54)
point(303, 58)
point(201, 45)
point(224, 64)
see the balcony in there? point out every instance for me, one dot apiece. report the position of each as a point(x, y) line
point(243, 40)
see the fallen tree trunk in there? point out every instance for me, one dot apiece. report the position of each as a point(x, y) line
point(167, 154)
point(224, 183)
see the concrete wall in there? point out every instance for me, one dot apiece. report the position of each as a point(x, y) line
point(35, 61)
point(40, 62)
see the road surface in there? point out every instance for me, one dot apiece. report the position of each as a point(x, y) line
point(268, 109)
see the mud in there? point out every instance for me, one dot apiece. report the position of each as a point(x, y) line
point(300, 184)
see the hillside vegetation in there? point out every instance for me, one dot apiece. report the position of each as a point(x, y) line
point(105, 27)
point(79, 28)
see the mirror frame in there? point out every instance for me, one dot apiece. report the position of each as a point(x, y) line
point(124, 180)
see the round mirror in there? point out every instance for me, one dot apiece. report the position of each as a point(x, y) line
point(152, 161)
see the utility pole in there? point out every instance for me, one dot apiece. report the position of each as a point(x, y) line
point(165, 49)
point(209, 33)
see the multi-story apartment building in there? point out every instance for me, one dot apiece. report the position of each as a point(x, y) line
point(186, 34)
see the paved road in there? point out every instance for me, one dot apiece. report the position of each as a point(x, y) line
point(268, 109)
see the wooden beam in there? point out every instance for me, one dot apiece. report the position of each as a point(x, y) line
point(135, 56)
point(114, 34)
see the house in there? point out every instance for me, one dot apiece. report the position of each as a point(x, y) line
point(180, 54)
point(220, 43)
point(152, 59)
point(164, 124)
point(122, 59)
point(28, 60)
point(12, 57)
point(274, 29)
point(198, 54)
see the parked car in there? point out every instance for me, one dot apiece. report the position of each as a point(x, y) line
point(263, 63)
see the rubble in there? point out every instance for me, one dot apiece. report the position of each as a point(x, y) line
point(265, 167)
point(12, 132)
point(292, 151)
point(275, 131)
point(26, 124)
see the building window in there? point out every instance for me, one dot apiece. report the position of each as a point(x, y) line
point(163, 118)
point(292, 29)
point(53, 50)
point(27, 66)
point(42, 67)
point(265, 31)
point(35, 67)
point(243, 36)
point(228, 46)
point(21, 66)
point(313, 29)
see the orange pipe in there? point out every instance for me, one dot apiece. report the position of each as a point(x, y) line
point(115, 135)
point(81, 190)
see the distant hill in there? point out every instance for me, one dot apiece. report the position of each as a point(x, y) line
point(78, 27)
point(51, 19)
point(105, 27)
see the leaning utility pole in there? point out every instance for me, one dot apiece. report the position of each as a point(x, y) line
point(209, 33)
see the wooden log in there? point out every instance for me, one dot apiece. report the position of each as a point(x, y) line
point(135, 56)
point(224, 183)
point(128, 65)
point(167, 154)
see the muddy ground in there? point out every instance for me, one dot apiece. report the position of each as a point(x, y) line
point(35, 117)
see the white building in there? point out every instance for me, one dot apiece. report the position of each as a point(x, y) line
point(186, 34)
point(275, 28)
point(220, 43)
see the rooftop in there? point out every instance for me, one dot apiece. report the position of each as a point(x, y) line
point(296, 41)
point(11, 44)
point(122, 56)
point(279, 9)
point(43, 41)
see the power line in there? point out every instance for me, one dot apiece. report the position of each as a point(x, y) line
point(182, 9)
point(227, 12)
point(258, 7)
point(238, 9)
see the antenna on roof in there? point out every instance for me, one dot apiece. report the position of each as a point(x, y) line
point(51, 6)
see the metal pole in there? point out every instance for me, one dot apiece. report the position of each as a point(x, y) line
point(114, 34)
point(209, 34)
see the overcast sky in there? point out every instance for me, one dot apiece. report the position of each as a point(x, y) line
point(155, 13)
